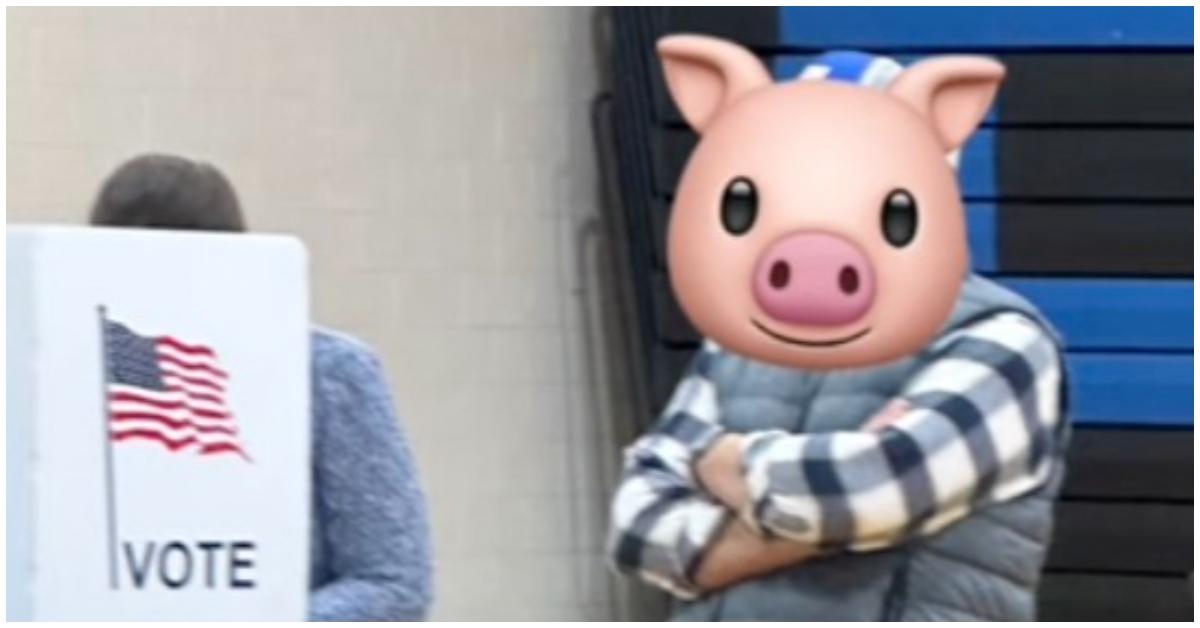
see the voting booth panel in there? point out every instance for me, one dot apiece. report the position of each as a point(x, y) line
point(158, 425)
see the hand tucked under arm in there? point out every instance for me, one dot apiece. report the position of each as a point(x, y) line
point(719, 472)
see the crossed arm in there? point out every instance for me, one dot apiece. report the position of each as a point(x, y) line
point(700, 509)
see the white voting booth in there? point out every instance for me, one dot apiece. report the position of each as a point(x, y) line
point(158, 425)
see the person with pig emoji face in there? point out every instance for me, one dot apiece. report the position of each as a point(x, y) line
point(870, 431)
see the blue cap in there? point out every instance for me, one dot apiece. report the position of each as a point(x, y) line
point(851, 66)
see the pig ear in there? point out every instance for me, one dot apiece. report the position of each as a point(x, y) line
point(953, 93)
point(706, 75)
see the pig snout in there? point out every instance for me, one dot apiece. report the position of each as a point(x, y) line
point(814, 278)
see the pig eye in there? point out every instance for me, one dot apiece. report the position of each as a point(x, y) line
point(899, 218)
point(739, 207)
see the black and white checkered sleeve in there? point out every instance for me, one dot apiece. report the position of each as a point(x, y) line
point(661, 521)
point(981, 423)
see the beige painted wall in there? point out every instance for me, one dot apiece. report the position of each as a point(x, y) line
point(438, 164)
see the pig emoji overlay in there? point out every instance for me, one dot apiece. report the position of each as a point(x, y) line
point(818, 223)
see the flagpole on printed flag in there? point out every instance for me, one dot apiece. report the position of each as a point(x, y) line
point(108, 452)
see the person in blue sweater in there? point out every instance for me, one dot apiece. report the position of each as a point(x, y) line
point(370, 548)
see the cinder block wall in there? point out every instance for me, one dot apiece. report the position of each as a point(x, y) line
point(439, 166)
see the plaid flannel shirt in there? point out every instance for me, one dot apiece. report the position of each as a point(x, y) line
point(978, 428)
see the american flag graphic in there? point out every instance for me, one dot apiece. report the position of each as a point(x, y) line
point(168, 391)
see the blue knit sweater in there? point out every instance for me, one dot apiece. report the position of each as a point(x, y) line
point(370, 532)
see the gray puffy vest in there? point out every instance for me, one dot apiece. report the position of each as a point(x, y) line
point(984, 567)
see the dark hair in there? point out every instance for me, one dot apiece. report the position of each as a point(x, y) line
point(168, 192)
